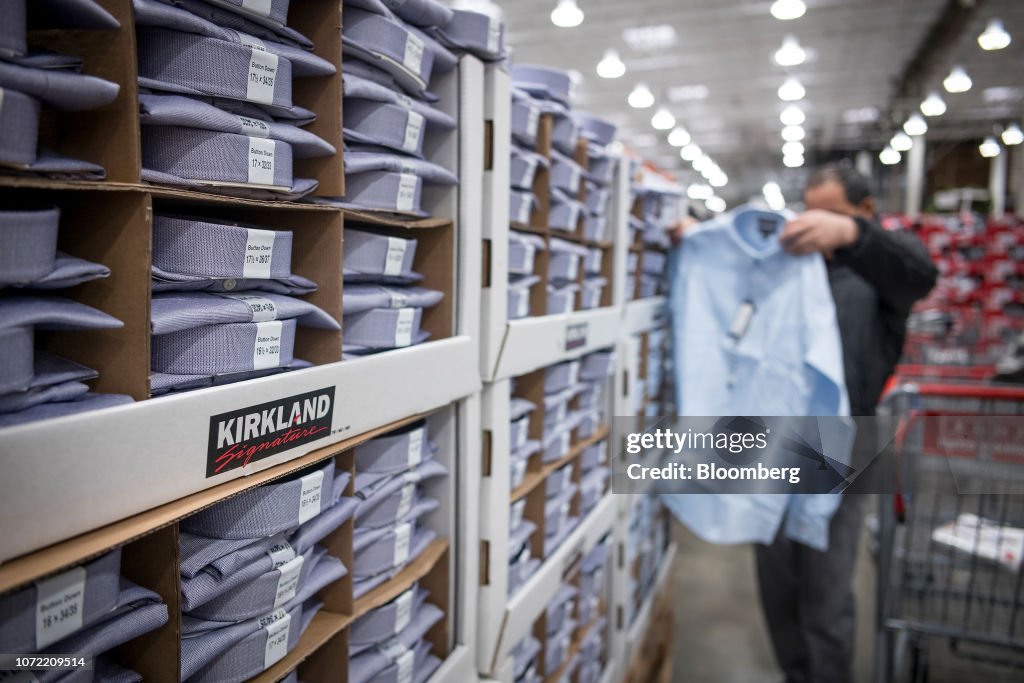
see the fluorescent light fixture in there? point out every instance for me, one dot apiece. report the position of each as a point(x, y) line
point(933, 105)
point(994, 37)
point(901, 142)
point(690, 152)
point(647, 38)
point(715, 204)
point(663, 119)
point(792, 115)
point(641, 97)
point(989, 148)
point(567, 14)
point(679, 137)
point(611, 65)
point(915, 125)
point(793, 133)
point(792, 148)
point(793, 161)
point(702, 164)
point(890, 156)
point(791, 90)
point(697, 191)
point(1012, 135)
point(957, 81)
point(719, 180)
point(790, 54)
point(787, 10)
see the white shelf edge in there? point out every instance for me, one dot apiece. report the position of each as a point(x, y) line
point(643, 617)
point(644, 315)
point(457, 668)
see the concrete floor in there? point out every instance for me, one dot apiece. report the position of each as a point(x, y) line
point(720, 634)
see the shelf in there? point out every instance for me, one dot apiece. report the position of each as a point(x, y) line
point(644, 315)
point(117, 463)
point(398, 584)
point(323, 627)
point(532, 343)
point(533, 479)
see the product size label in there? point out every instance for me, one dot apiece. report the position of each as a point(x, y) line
point(281, 553)
point(59, 606)
point(532, 120)
point(523, 305)
point(311, 497)
point(266, 352)
point(407, 185)
point(277, 641)
point(260, 7)
point(288, 581)
point(574, 267)
point(413, 132)
point(261, 308)
point(262, 76)
point(394, 258)
point(403, 326)
point(524, 211)
point(403, 534)
point(261, 161)
point(415, 447)
point(259, 253)
point(405, 500)
point(413, 56)
point(254, 127)
point(403, 610)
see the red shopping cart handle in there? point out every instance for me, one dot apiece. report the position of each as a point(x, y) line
point(976, 390)
point(909, 371)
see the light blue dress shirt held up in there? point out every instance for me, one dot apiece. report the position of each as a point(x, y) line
point(788, 361)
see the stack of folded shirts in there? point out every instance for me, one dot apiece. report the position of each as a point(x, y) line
point(561, 625)
point(591, 653)
point(561, 385)
point(564, 267)
point(35, 384)
point(475, 32)
point(391, 125)
point(522, 564)
point(522, 273)
point(525, 160)
point(223, 306)
point(524, 661)
point(389, 643)
point(33, 79)
point(560, 491)
point(250, 571)
point(86, 611)
point(652, 275)
point(382, 305)
point(215, 98)
point(521, 446)
point(390, 473)
point(592, 582)
point(593, 283)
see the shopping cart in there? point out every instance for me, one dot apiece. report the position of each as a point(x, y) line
point(950, 586)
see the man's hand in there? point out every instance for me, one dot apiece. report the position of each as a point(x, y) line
point(818, 230)
point(677, 231)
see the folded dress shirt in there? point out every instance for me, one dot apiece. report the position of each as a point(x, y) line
point(519, 295)
point(566, 174)
point(523, 656)
point(30, 257)
point(370, 257)
point(19, 117)
point(386, 621)
point(594, 128)
point(523, 167)
point(360, 159)
point(525, 118)
point(177, 311)
point(363, 81)
point(566, 260)
point(521, 205)
point(475, 32)
point(381, 329)
point(251, 24)
point(600, 164)
point(63, 89)
point(566, 212)
point(390, 45)
point(395, 498)
point(363, 297)
point(543, 82)
point(396, 659)
point(225, 348)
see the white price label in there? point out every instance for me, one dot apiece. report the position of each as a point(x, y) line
point(531, 170)
point(59, 606)
point(261, 308)
point(259, 253)
point(403, 532)
point(273, 617)
point(524, 211)
point(288, 581)
point(532, 120)
point(277, 641)
point(413, 132)
point(407, 186)
point(266, 352)
point(403, 326)
point(403, 609)
point(574, 266)
point(565, 442)
point(260, 7)
point(281, 553)
point(524, 304)
point(574, 179)
point(397, 298)
point(415, 447)
point(394, 258)
point(261, 161)
point(311, 497)
point(413, 56)
point(405, 502)
point(254, 127)
point(262, 76)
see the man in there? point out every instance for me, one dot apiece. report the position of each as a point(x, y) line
point(875, 276)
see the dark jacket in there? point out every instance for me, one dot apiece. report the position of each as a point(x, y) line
point(874, 283)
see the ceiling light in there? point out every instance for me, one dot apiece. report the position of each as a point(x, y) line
point(791, 91)
point(785, 10)
point(611, 65)
point(679, 137)
point(792, 115)
point(663, 119)
point(566, 14)
point(1012, 135)
point(683, 93)
point(915, 125)
point(690, 152)
point(793, 161)
point(696, 191)
point(792, 148)
point(933, 105)
point(989, 148)
point(890, 156)
point(641, 97)
point(957, 80)
point(994, 37)
point(719, 180)
point(790, 54)
point(646, 38)
point(901, 142)
point(702, 164)
point(771, 188)
point(716, 204)
point(793, 133)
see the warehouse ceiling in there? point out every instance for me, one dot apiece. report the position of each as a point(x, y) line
point(711, 63)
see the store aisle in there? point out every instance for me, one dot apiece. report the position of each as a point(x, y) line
point(721, 637)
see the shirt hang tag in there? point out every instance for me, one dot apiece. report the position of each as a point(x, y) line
point(741, 320)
